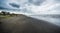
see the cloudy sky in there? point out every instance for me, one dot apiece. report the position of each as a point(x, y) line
point(31, 6)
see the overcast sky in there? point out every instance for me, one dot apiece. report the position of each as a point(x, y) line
point(31, 6)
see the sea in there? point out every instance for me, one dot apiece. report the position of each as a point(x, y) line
point(55, 19)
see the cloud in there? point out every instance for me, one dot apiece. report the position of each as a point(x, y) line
point(57, 1)
point(4, 5)
point(47, 7)
point(14, 5)
point(4, 8)
point(32, 6)
point(36, 2)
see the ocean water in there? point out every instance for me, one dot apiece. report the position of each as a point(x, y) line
point(55, 19)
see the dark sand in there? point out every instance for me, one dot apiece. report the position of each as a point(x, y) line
point(24, 24)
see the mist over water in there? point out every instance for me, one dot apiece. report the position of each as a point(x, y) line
point(55, 19)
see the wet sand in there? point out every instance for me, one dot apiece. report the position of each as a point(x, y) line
point(24, 24)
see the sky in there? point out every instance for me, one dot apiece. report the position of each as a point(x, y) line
point(31, 7)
